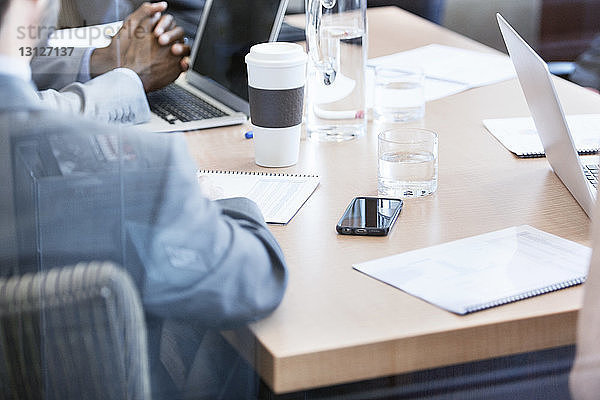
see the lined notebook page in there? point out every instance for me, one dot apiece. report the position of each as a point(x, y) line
point(279, 196)
point(520, 136)
point(485, 271)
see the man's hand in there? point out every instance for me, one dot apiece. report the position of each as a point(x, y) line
point(155, 64)
point(149, 44)
point(167, 32)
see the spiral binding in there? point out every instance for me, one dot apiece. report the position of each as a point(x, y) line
point(526, 295)
point(582, 152)
point(253, 173)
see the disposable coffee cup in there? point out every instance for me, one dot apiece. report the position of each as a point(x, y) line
point(276, 77)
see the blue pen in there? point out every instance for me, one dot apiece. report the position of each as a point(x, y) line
point(249, 135)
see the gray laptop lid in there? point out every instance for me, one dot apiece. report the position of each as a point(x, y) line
point(538, 88)
point(226, 32)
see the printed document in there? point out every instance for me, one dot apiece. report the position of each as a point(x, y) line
point(520, 136)
point(87, 36)
point(450, 70)
point(484, 271)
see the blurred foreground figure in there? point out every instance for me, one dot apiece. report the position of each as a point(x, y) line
point(84, 191)
point(584, 381)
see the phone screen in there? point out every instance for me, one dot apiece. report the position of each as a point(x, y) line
point(369, 216)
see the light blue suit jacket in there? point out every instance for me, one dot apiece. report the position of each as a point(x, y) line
point(114, 97)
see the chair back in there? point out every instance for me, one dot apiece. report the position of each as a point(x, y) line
point(73, 333)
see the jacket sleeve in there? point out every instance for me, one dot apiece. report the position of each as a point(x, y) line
point(115, 97)
point(214, 261)
point(55, 72)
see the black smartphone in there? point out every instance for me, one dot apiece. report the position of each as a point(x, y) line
point(372, 216)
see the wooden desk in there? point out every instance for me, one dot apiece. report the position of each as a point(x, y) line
point(336, 325)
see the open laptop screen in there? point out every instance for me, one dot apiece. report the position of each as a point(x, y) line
point(232, 27)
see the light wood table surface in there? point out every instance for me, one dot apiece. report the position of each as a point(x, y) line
point(337, 325)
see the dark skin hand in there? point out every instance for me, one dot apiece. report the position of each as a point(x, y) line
point(168, 33)
point(149, 43)
point(155, 64)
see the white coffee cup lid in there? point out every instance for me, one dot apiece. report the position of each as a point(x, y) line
point(276, 55)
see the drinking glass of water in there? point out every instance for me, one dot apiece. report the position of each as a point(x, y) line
point(399, 94)
point(407, 162)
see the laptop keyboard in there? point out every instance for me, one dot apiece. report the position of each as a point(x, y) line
point(591, 173)
point(173, 103)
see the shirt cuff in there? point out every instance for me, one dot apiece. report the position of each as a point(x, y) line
point(84, 71)
point(133, 75)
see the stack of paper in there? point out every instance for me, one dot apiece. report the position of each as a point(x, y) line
point(450, 70)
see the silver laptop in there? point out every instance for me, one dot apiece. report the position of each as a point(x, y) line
point(214, 92)
point(549, 119)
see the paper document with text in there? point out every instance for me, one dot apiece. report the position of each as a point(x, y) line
point(485, 271)
point(520, 137)
point(279, 196)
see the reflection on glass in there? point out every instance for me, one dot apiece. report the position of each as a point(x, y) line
point(232, 27)
point(370, 213)
point(160, 269)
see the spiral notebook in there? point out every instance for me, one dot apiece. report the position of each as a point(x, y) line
point(520, 137)
point(279, 196)
point(485, 271)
